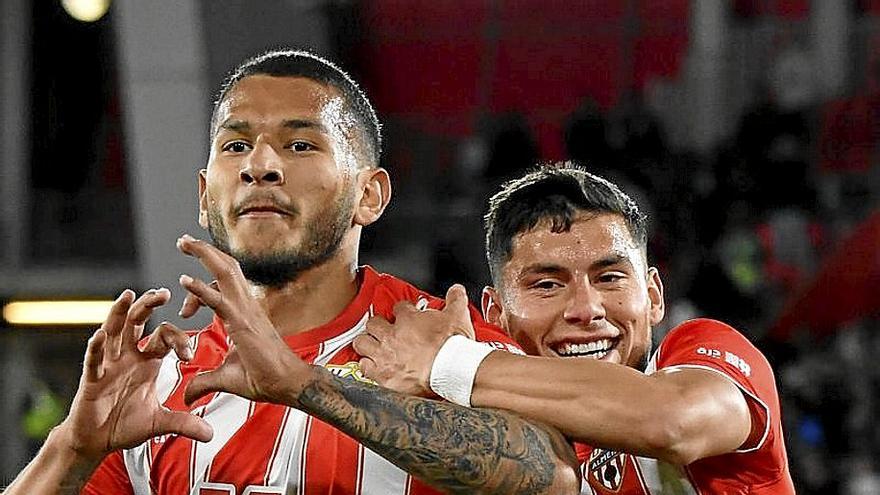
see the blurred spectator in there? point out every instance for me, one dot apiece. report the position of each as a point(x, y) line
point(585, 137)
point(775, 138)
point(512, 147)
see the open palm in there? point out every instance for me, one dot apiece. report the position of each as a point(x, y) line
point(116, 405)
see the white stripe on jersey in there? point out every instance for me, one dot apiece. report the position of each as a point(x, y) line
point(296, 466)
point(169, 376)
point(290, 452)
point(379, 476)
point(331, 346)
point(137, 464)
point(662, 477)
point(273, 457)
point(226, 413)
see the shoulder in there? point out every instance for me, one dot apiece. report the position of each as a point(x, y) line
point(717, 347)
point(705, 338)
point(389, 290)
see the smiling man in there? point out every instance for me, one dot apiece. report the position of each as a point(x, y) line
point(572, 285)
point(269, 398)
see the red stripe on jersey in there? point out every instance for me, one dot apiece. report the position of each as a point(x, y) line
point(243, 455)
point(274, 457)
point(332, 468)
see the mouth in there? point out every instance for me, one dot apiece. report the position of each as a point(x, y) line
point(591, 350)
point(262, 210)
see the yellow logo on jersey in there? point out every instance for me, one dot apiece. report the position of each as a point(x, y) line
point(351, 369)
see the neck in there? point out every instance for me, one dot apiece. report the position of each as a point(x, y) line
point(316, 297)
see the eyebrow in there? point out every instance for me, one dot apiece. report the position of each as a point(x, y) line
point(236, 125)
point(540, 269)
point(610, 260)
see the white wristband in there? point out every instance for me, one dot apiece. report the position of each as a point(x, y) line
point(455, 367)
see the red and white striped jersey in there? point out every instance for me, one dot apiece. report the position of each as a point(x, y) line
point(260, 448)
point(760, 467)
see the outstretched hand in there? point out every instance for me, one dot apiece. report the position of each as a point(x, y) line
point(259, 366)
point(116, 406)
point(399, 355)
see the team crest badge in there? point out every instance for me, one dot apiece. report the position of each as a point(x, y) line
point(350, 370)
point(607, 467)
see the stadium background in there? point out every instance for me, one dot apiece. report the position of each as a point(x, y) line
point(749, 129)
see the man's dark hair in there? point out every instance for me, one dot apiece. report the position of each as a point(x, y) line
point(300, 63)
point(555, 192)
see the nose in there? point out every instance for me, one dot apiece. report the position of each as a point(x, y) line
point(585, 304)
point(263, 166)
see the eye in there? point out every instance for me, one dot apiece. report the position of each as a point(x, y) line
point(610, 277)
point(301, 146)
point(545, 285)
point(236, 147)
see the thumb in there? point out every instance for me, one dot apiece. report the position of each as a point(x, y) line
point(204, 384)
point(185, 424)
point(457, 306)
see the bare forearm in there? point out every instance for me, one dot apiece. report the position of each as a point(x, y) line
point(456, 449)
point(56, 470)
point(677, 416)
point(598, 403)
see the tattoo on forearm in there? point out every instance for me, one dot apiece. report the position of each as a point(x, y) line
point(454, 448)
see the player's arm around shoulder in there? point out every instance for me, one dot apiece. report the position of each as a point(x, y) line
point(689, 410)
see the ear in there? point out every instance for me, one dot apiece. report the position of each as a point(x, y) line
point(493, 312)
point(655, 295)
point(374, 187)
point(203, 200)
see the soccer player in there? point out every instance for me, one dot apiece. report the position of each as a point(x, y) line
point(269, 398)
point(572, 285)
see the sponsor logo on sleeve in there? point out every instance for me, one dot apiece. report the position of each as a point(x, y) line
point(501, 346)
point(729, 357)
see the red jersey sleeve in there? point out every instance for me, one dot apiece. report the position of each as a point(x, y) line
point(713, 345)
point(110, 477)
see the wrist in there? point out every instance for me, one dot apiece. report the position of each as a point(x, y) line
point(455, 368)
point(63, 445)
point(302, 376)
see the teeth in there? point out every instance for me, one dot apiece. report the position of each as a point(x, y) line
point(597, 349)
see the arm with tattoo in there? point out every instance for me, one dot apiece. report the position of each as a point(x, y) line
point(456, 449)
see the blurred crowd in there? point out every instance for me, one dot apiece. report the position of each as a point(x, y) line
point(741, 235)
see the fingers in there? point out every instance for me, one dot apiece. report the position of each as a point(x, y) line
point(140, 312)
point(92, 367)
point(165, 338)
point(115, 322)
point(457, 298)
point(218, 263)
point(378, 327)
point(402, 307)
point(366, 345)
point(206, 383)
point(368, 369)
point(457, 306)
point(192, 303)
point(184, 423)
point(206, 294)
